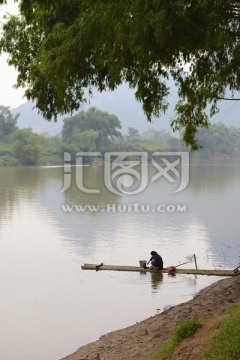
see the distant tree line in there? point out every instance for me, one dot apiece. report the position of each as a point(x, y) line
point(95, 130)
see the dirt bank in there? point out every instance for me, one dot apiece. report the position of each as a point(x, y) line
point(138, 341)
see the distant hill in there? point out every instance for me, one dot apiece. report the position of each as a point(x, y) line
point(30, 118)
point(122, 103)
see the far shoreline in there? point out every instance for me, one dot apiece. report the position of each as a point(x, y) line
point(194, 160)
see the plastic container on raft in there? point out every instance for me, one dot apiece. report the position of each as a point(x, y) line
point(143, 263)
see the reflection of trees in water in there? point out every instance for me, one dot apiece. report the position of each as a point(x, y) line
point(17, 183)
point(92, 179)
point(203, 177)
point(213, 176)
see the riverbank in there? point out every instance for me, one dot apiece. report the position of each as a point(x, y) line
point(139, 341)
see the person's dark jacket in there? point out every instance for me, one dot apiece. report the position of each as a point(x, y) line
point(157, 261)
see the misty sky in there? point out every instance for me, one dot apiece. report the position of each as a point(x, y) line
point(8, 95)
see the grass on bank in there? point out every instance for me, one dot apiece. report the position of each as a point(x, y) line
point(225, 344)
point(182, 331)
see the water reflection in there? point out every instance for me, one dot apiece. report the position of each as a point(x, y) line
point(93, 180)
point(213, 178)
point(42, 247)
point(16, 183)
point(156, 280)
point(209, 227)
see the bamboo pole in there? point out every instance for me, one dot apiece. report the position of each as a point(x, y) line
point(213, 272)
point(195, 260)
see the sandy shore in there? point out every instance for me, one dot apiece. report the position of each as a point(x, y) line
point(138, 341)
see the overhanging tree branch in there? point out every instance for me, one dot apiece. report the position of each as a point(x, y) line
point(62, 49)
point(229, 99)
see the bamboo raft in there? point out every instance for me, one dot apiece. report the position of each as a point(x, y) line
point(214, 272)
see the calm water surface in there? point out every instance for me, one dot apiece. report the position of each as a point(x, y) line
point(50, 307)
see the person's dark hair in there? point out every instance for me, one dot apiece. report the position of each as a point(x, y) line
point(153, 252)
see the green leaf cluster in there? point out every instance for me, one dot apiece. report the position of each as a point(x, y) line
point(22, 146)
point(218, 140)
point(90, 130)
point(61, 49)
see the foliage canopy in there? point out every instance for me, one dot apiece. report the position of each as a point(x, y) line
point(98, 128)
point(62, 49)
point(8, 123)
point(95, 130)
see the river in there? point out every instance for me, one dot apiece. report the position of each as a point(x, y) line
point(49, 306)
